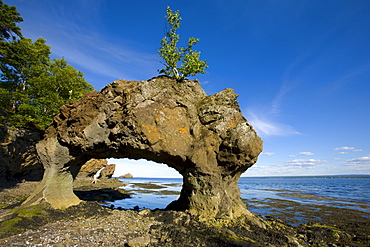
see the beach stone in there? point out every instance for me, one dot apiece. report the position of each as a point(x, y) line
point(205, 138)
point(145, 211)
point(139, 241)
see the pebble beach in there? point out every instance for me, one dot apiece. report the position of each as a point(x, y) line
point(91, 224)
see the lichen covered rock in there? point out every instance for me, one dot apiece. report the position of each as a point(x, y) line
point(205, 138)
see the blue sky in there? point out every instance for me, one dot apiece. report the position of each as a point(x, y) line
point(301, 68)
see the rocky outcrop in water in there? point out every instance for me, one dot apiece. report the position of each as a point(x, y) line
point(91, 167)
point(205, 138)
point(127, 175)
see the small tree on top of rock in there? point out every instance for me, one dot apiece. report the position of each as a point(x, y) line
point(180, 62)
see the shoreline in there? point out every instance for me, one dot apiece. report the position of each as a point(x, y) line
point(159, 227)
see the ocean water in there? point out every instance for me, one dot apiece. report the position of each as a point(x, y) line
point(150, 193)
point(352, 192)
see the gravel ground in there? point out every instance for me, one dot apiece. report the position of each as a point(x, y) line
point(118, 228)
point(90, 224)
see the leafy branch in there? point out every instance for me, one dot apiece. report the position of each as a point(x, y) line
point(179, 62)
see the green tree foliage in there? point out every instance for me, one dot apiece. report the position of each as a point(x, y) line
point(32, 86)
point(180, 62)
point(8, 20)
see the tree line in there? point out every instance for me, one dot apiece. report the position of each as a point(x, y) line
point(32, 85)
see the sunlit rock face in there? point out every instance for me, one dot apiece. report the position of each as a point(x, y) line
point(91, 167)
point(205, 138)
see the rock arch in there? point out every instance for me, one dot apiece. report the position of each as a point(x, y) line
point(205, 138)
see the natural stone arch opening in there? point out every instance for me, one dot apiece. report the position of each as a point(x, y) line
point(142, 168)
point(205, 138)
point(153, 185)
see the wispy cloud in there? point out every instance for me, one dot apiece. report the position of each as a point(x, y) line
point(361, 164)
point(83, 44)
point(359, 161)
point(99, 56)
point(349, 77)
point(266, 120)
point(304, 162)
point(343, 148)
point(292, 167)
point(269, 127)
point(301, 153)
point(268, 153)
point(279, 98)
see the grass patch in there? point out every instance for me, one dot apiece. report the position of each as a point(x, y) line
point(4, 205)
point(9, 227)
point(30, 211)
point(22, 218)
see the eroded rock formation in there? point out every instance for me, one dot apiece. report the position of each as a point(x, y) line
point(18, 157)
point(205, 138)
point(91, 167)
point(19, 161)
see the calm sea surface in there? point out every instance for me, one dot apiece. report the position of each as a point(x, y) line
point(351, 192)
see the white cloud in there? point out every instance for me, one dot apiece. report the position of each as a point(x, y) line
point(361, 164)
point(297, 167)
point(306, 153)
point(359, 161)
point(301, 153)
point(304, 162)
point(143, 168)
point(357, 150)
point(343, 152)
point(268, 153)
point(343, 148)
